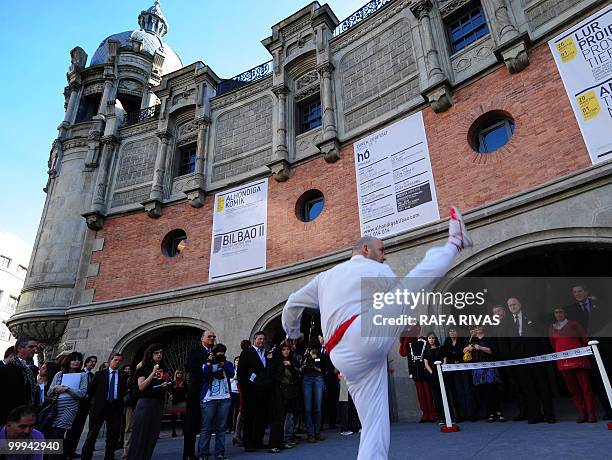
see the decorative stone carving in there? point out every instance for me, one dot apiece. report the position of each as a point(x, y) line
point(46, 330)
point(512, 46)
point(185, 96)
point(281, 170)
point(306, 80)
point(94, 220)
point(450, 6)
point(187, 129)
point(132, 87)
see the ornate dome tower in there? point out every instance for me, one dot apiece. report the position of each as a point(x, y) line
point(119, 79)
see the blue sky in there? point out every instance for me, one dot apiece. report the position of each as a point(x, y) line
point(35, 41)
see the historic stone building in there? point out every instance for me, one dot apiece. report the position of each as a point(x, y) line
point(146, 142)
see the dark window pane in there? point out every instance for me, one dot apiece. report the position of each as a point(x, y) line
point(310, 115)
point(187, 160)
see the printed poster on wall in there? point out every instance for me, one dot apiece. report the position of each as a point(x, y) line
point(395, 186)
point(584, 58)
point(239, 231)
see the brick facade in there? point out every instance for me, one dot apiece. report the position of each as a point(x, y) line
point(546, 145)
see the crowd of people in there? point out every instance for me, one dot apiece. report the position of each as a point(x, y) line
point(292, 387)
point(483, 392)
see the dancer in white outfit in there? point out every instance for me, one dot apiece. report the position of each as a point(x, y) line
point(362, 357)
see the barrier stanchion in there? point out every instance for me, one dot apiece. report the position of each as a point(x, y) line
point(603, 373)
point(449, 426)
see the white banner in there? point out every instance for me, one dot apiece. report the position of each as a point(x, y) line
point(239, 231)
point(395, 186)
point(584, 58)
point(573, 353)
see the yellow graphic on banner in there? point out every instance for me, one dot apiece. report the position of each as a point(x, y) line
point(567, 49)
point(220, 203)
point(589, 105)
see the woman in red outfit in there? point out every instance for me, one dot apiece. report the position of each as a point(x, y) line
point(566, 334)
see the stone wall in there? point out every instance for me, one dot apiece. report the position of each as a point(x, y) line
point(246, 129)
point(378, 75)
point(134, 168)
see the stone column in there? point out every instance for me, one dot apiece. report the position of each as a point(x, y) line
point(281, 129)
point(72, 102)
point(280, 164)
point(438, 91)
point(327, 103)
point(195, 189)
point(153, 204)
point(95, 217)
point(157, 191)
point(422, 10)
point(108, 148)
point(106, 95)
point(511, 45)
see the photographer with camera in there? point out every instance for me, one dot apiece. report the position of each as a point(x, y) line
point(215, 401)
point(312, 384)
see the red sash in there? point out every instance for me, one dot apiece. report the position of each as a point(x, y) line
point(339, 333)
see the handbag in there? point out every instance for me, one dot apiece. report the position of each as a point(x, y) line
point(467, 356)
point(48, 413)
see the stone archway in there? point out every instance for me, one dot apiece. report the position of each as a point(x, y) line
point(270, 323)
point(177, 335)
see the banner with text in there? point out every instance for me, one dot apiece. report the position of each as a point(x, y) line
point(395, 186)
point(584, 58)
point(239, 231)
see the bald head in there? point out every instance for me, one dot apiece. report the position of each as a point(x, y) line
point(370, 247)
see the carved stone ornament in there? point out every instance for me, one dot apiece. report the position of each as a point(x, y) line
point(46, 330)
point(450, 6)
point(153, 208)
point(281, 170)
point(514, 53)
point(306, 80)
point(195, 193)
point(94, 219)
point(330, 150)
point(306, 93)
point(188, 128)
point(439, 96)
point(421, 8)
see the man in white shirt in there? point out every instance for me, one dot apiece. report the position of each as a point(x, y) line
point(361, 357)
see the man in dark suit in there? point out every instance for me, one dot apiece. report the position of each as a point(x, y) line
point(329, 409)
point(74, 434)
point(533, 388)
point(9, 354)
point(597, 322)
point(106, 394)
point(18, 385)
point(256, 386)
point(194, 361)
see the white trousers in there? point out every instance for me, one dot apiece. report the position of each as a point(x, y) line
point(362, 359)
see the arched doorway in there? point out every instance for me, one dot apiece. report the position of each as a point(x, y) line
point(310, 326)
point(176, 335)
point(542, 277)
point(176, 344)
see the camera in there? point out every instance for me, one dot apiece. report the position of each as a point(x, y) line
point(216, 359)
